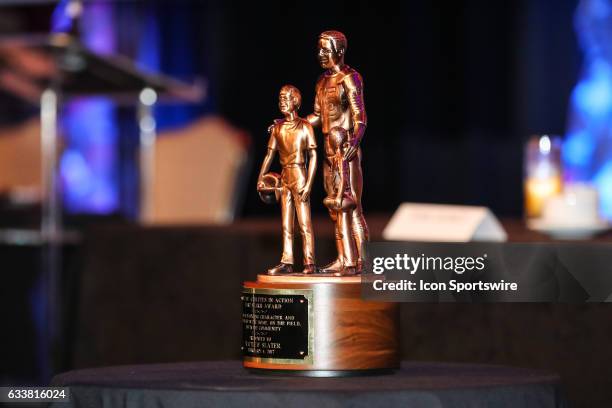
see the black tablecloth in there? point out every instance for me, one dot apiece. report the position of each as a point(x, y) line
point(227, 384)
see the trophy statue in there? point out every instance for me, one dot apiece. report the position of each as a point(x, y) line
point(341, 202)
point(315, 323)
point(292, 137)
point(339, 103)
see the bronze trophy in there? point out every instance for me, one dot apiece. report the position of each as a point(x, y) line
point(314, 322)
point(293, 138)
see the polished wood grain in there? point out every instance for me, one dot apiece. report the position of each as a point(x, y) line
point(349, 333)
point(301, 278)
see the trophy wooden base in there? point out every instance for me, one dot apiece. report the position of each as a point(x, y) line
point(317, 326)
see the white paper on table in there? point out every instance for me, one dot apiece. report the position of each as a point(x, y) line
point(443, 223)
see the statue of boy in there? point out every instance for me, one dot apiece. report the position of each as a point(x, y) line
point(293, 138)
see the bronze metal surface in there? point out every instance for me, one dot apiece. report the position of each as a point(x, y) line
point(339, 102)
point(293, 139)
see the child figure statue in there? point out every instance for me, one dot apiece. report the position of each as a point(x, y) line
point(294, 139)
point(341, 202)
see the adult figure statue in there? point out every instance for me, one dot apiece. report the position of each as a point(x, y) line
point(339, 103)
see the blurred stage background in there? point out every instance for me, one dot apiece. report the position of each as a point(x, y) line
point(453, 90)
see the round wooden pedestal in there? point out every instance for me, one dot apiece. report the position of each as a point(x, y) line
point(317, 326)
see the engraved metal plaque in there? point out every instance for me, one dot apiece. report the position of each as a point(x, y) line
point(277, 325)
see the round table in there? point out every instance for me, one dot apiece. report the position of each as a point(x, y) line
point(227, 384)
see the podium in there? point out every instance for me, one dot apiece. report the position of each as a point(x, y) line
point(48, 68)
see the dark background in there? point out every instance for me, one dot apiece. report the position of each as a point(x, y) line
point(452, 89)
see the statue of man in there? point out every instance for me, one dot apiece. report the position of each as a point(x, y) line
point(341, 202)
point(339, 103)
point(293, 138)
